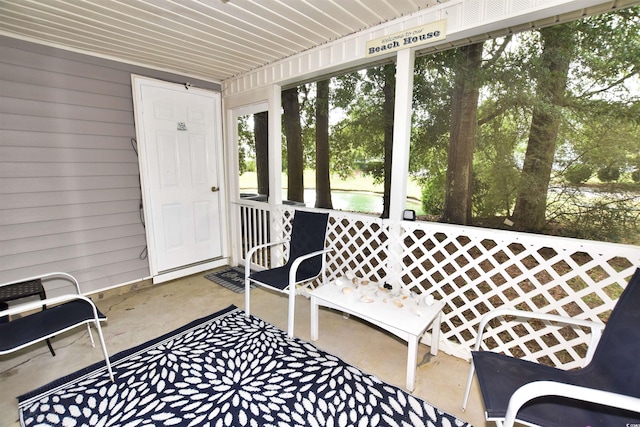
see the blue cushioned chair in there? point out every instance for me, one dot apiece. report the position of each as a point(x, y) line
point(605, 393)
point(305, 262)
point(60, 314)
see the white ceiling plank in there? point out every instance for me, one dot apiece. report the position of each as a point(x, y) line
point(132, 46)
point(228, 28)
point(329, 14)
point(278, 22)
point(217, 40)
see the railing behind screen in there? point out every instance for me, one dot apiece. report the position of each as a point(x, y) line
point(474, 270)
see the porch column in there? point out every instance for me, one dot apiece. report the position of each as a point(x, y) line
point(275, 168)
point(401, 133)
point(275, 147)
point(400, 161)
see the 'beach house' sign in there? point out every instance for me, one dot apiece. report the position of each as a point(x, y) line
point(412, 37)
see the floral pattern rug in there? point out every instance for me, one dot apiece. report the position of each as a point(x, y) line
point(227, 369)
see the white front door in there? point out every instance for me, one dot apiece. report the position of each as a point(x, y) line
point(180, 149)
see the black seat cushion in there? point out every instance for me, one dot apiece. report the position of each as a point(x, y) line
point(279, 277)
point(41, 324)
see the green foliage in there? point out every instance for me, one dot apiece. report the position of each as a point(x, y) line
point(635, 175)
point(578, 173)
point(433, 196)
point(600, 136)
point(374, 168)
point(605, 218)
point(246, 145)
point(496, 166)
point(358, 138)
point(248, 166)
point(482, 202)
point(609, 174)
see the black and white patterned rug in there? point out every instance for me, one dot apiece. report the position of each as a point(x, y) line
point(226, 370)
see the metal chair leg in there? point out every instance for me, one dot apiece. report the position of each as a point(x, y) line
point(43, 295)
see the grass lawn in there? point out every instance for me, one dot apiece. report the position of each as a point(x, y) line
point(356, 182)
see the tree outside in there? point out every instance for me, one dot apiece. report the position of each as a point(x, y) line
point(538, 131)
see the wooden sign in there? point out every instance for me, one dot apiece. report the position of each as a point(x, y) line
point(412, 37)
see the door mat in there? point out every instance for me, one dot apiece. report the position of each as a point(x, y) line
point(231, 278)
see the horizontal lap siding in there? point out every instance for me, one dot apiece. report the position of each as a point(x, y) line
point(69, 178)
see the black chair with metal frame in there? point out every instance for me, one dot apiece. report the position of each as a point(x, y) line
point(305, 262)
point(606, 392)
point(43, 319)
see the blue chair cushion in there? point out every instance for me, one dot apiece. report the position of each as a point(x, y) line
point(41, 324)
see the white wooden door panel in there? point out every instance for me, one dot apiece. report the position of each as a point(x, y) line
point(180, 153)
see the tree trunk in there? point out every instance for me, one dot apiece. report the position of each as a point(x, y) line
point(531, 203)
point(464, 109)
point(323, 184)
point(261, 136)
point(293, 133)
point(388, 113)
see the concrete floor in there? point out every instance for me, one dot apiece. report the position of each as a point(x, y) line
point(140, 312)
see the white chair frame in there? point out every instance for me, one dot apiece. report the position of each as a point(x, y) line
point(549, 388)
point(291, 289)
point(33, 308)
point(596, 333)
point(537, 389)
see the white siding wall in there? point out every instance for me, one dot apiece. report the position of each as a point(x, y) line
point(69, 178)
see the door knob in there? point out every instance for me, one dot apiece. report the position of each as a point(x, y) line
point(214, 189)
